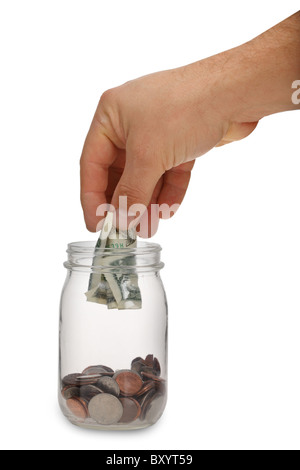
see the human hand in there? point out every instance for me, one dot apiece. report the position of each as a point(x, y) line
point(147, 133)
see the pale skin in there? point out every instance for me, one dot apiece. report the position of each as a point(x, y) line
point(147, 133)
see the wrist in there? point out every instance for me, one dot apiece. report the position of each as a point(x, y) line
point(257, 76)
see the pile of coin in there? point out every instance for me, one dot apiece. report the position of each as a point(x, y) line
point(111, 397)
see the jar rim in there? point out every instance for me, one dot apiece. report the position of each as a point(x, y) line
point(81, 256)
point(88, 247)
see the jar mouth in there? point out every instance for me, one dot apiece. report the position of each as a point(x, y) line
point(81, 256)
point(88, 247)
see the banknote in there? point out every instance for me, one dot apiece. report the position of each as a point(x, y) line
point(117, 287)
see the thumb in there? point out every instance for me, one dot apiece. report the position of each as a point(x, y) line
point(134, 191)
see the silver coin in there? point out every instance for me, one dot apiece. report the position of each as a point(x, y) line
point(89, 391)
point(97, 370)
point(71, 392)
point(105, 409)
point(155, 408)
point(138, 366)
point(108, 385)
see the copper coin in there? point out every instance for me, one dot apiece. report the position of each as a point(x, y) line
point(129, 382)
point(70, 392)
point(70, 380)
point(105, 409)
point(149, 385)
point(150, 365)
point(152, 377)
point(78, 407)
point(132, 410)
point(108, 385)
point(149, 360)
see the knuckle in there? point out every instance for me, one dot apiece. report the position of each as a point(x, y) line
point(106, 110)
point(107, 96)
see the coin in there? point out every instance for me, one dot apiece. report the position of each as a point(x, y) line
point(149, 385)
point(108, 385)
point(145, 400)
point(152, 377)
point(70, 380)
point(132, 410)
point(87, 379)
point(98, 370)
point(105, 409)
point(147, 369)
point(122, 396)
point(108, 369)
point(78, 407)
point(154, 409)
point(161, 387)
point(137, 359)
point(150, 365)
point(138, 366)
point(156, 367)
point(70, 392)
point(129, 382)
point(89, 391)
point(149, 360)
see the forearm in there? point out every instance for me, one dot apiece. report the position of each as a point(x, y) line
point(147, 133)
point(255, 79)
point(263, 71)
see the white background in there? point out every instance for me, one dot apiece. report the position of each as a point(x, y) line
point(233, 286)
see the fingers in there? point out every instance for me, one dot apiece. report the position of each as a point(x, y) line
point(107, 173)
point(149, 222)
point(97, 156)
point(176, 182)
point(150, 196)
point(138, 182)
point(167, 197)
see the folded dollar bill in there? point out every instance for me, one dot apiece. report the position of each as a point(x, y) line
point(115, 287)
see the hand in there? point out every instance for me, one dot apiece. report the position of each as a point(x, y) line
point(147, 133)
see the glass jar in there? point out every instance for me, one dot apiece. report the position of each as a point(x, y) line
point(113, 362)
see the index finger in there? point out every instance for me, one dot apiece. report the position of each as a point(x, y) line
point(97, 156)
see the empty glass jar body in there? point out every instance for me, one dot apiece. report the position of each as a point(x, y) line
point(113, 356)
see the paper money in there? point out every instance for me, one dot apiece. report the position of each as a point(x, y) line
point(115, 287)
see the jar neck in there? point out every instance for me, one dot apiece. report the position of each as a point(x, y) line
point(83, 256)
